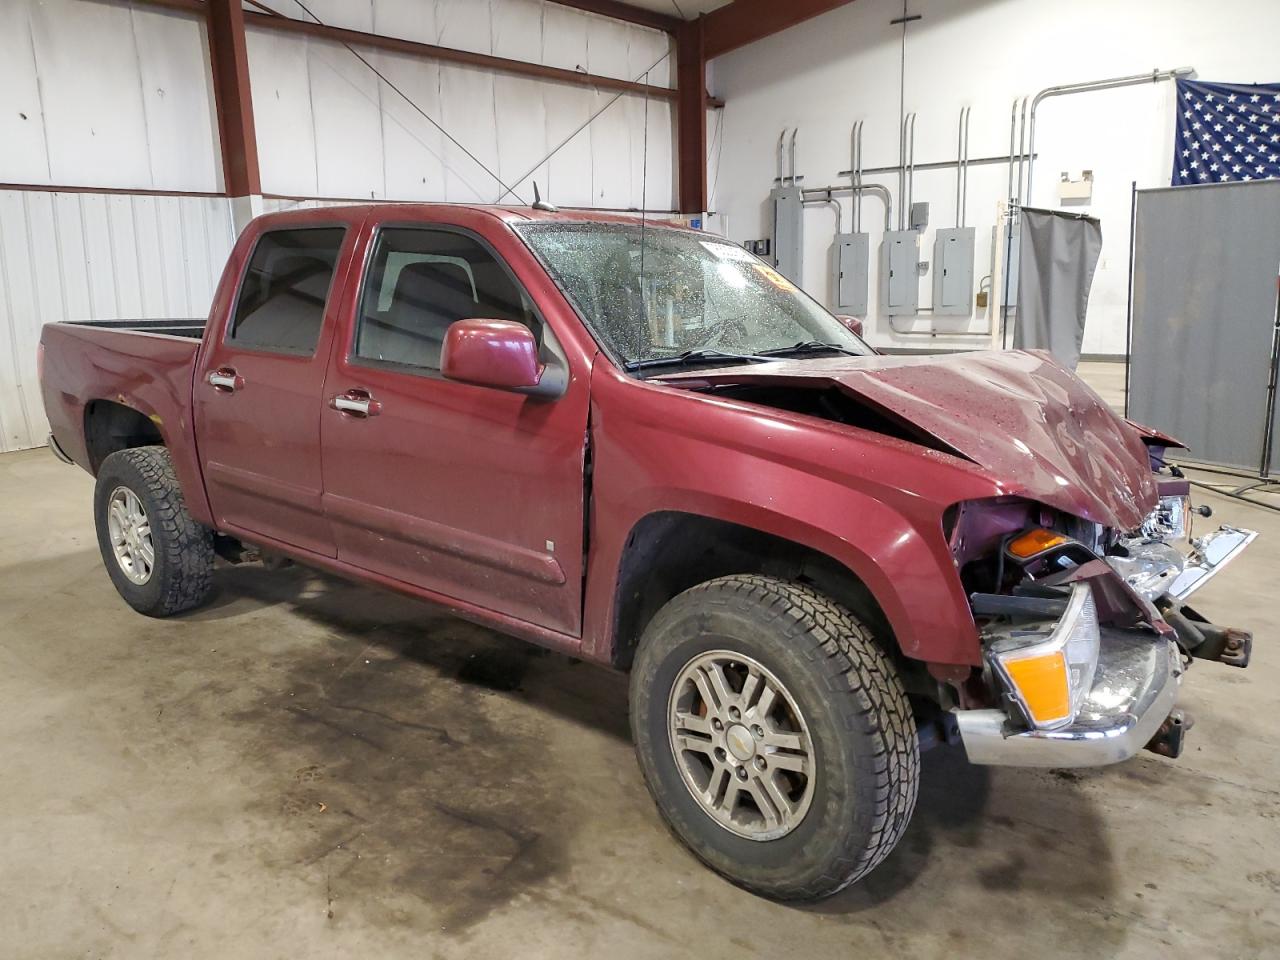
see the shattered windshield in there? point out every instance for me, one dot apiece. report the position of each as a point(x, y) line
point(682, 297)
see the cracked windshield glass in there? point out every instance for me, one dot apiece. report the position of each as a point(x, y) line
point(658, 297)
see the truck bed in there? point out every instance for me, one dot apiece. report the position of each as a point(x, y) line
point(192, 327)
point(146, 365)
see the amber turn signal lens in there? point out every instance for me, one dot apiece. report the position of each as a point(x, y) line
point(1042, 682)
point(1035, 542)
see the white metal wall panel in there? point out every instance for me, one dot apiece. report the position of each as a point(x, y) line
point(25, 157)
point(347, 109)
point(522, 135)
point(100, 94)
point(177, 94)
point(469, 113)
point(327, 126)
point(279, 76)
point(412, 148)
point(87, 256)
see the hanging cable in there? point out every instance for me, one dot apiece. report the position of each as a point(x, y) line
point(381, 76)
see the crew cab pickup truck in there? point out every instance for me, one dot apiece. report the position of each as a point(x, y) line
point(642, 446)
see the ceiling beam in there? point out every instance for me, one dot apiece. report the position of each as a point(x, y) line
point(617, 10)
point(746, 21)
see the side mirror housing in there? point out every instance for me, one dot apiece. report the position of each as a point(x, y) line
point(854, 324)
point(497, 353)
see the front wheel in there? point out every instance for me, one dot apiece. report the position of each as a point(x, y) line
point(159, 558)
point(774, 735)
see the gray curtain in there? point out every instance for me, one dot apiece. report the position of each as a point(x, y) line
point(1057, 256)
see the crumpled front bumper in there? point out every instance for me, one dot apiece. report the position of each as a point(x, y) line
point(1132, 696)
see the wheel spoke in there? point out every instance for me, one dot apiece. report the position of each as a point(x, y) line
point(783, 740)
point(715, 675)
point(768, 696)
point(720, 788)
point(749, 688)
point(692, 723)
point(795, 762)
point(148, 554)
point(773, 803)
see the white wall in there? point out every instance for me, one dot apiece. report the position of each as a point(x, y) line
point(844, 66)
point(328, 127)
point(88, 256)
point(105, 95)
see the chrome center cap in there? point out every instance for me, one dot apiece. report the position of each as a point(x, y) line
point(740, 742)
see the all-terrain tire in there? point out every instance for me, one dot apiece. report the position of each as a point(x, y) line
point(865, 748)
point(181, 575)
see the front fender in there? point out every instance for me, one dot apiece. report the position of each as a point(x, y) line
point(872, 504)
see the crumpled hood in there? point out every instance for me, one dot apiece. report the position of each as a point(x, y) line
point(1035, 427)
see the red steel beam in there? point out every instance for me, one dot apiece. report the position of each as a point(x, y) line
point(230, 62)
point(691, 117)
point(449, 55)
point(624, 11)
point(746, 21)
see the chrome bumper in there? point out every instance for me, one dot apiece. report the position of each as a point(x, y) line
point(1209, 555)
point(1133, 693)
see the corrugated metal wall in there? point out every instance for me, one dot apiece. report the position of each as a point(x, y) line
point(328, 127)
point(108, 94)
point(82, 256)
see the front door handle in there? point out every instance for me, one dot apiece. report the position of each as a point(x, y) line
point(357, 403)
point(225, 379)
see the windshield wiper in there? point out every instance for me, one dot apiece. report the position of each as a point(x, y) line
point(694, 356)
point(808, 346)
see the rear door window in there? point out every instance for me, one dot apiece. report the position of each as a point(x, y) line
point(282, 298)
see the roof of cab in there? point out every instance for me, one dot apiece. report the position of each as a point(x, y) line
point(507, 214)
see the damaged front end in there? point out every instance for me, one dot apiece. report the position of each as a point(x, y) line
point(1085, 630)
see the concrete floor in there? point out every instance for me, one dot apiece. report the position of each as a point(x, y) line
point(309, 768)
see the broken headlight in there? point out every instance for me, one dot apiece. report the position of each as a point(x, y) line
point(1048, 669)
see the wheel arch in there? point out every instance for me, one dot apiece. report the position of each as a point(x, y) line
point(110, 426)
point(669, 551)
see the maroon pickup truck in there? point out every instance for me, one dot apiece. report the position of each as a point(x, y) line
point(640, 445)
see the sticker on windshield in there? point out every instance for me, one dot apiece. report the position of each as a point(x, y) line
point(774, 277)
point(728, 252)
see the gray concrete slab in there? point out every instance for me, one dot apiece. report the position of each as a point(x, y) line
point(311, 768)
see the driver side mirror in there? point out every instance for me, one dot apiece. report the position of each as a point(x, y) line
point(853, 324)
point(498, 353)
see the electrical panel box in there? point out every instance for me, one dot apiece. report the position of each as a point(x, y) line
point(919, 215)
point(953, 271)
point(853, 272)
point(788, 231)
point(900, 273)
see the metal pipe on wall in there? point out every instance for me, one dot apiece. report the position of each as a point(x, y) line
point(962, 165)
point(1089, 86)
point(855, 173)
point(905, 208)
point(812, 194)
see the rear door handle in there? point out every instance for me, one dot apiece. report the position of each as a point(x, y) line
point(357, 403)
point(225, 379)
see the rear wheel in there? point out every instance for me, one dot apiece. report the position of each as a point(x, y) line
point(159, 558)
point(774, 735)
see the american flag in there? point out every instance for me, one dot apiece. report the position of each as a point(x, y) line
point(1226, 131)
